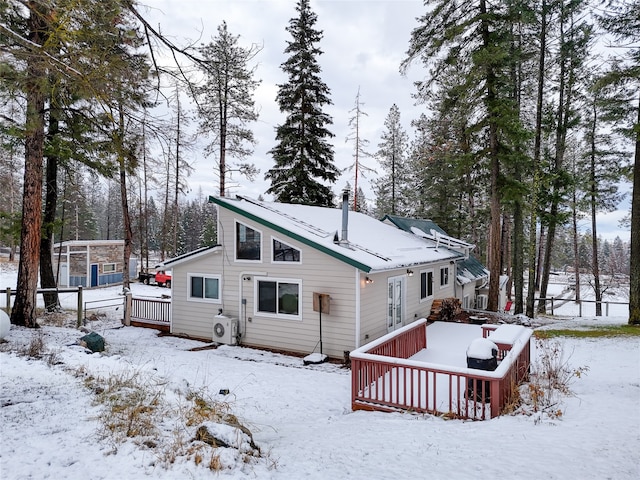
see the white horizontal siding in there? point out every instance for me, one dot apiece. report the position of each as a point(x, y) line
point(317, 272)
point(188, 317)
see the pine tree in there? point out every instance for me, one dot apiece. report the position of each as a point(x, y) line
point(621, 20)
point(478, 34)
point(225, 102)
point(392, 186)
point(303, 156)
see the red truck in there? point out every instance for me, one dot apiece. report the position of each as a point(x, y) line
point(160, 278)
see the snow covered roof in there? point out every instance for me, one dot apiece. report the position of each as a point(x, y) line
point(469, 268)
point(189, 256)
point(371, 245)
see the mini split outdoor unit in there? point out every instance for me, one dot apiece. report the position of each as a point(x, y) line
point(225, 330)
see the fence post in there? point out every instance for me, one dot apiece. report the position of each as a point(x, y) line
point(128, 300)
point(552, 305)
point(8, 307)
point(80, 307)
point(607, 310)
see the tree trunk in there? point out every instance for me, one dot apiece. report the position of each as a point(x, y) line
point(505, 261)
point(533, 224)
point(595, 266)
point(47, 277)
point(634, 285)
point(576, 260)
point(24, 307)
point(126, 217)
point(518, 254)
point(176, 190)
point(222, 106)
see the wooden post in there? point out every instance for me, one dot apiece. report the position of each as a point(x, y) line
point(128, 301)
point(80, 307)
point(552, 305)
point(8, 306)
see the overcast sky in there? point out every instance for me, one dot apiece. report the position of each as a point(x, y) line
point(363, 42)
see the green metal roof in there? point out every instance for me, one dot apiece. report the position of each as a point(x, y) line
point(405, 224)
point(471, 267)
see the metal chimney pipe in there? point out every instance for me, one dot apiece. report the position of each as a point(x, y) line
point(345, 216)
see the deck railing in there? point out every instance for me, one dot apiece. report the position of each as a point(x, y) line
point(384, 378)
point(150, 312)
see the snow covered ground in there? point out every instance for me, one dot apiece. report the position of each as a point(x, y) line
point(300, 416)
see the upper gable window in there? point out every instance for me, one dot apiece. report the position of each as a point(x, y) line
point(283, 252)
point(248, 243)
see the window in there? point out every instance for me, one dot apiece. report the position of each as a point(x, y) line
point(465, 302)
point(426, 284)
point(204, 288)
point(285, 253)
point(108, 267)
point(248, 243)
point(278, 297)
point(444, 276)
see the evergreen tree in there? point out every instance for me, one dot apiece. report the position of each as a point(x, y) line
point(575, 36)
point(225, 102)
point(622, 21)
point(303, 156)
point(392, 187)
point(478, 34)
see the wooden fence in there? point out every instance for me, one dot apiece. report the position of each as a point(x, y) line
point(385, 378)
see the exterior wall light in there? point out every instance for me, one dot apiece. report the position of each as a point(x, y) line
point(368, 280)
point(410, 273)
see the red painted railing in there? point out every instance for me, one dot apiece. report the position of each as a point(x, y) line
point(385, 378)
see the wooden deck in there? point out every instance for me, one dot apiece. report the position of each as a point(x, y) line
point(388, 375)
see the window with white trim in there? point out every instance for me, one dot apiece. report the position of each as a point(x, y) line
point(278, 297)
point(204, 288)
point(248, 243)
point(426, 284)
point(108, 267)
point(444, 277)
point(465, 302)
point(283, 252)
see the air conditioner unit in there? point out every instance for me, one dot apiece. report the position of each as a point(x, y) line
point(225, 330)
point(481, 302)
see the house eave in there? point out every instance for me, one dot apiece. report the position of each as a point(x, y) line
point(190, 256)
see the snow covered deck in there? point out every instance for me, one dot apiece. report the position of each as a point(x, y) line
point(400, 372)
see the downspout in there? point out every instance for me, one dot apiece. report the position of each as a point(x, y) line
point(358, 288)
